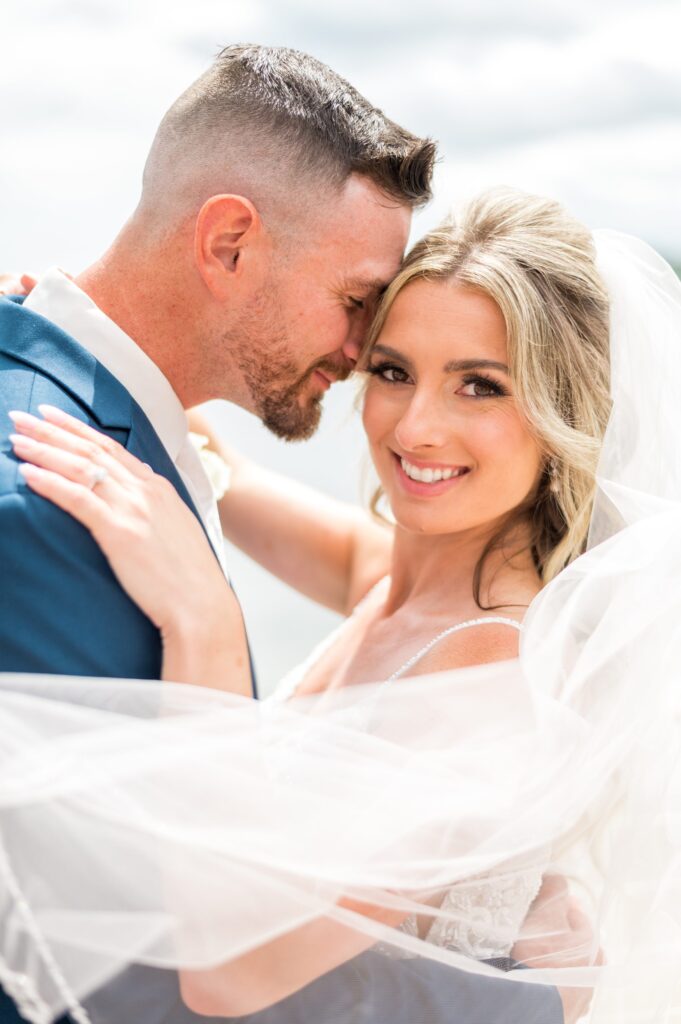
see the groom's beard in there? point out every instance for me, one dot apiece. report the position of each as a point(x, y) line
point(285, 408)
point(281, 395)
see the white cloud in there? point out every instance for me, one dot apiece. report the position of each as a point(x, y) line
point(525, 86)
point(626, 179)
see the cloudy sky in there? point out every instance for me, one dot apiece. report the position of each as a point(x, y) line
point(577, 100)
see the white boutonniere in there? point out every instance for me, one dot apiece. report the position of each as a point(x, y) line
point(217, 470)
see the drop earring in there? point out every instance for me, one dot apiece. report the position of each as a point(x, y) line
point(554, 486)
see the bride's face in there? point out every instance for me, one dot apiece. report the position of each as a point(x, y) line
point(448, 440)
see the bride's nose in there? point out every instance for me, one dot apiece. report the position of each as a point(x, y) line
point(423, 424)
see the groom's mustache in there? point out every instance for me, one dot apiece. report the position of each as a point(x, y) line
point(331, 368)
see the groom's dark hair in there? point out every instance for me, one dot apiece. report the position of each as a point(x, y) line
point(285, 111)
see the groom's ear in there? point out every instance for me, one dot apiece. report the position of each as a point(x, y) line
point(225, 226)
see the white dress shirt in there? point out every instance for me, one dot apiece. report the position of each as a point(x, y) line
point(61, 301)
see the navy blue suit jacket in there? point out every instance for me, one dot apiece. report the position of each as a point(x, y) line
point(62, 611)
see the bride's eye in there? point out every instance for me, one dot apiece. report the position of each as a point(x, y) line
point(389, 372)
point(481, 387)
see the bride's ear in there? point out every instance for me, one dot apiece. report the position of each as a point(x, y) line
point(226, 226)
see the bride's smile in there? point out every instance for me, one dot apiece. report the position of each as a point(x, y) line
point(429, 475)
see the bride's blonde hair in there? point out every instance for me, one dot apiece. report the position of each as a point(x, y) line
point(538, 264)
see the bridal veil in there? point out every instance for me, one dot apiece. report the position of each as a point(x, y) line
point(176, 827)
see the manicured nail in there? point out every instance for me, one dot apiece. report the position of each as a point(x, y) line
point(21, 417)
point(25, 447)
point(28, 471)
point(51, 410)
point(20, 439)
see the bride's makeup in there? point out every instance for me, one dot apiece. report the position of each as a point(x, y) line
point(449, 442)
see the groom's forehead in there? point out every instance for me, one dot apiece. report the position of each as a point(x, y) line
point(365, 221)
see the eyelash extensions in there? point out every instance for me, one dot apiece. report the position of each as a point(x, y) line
point(379, 369)
point(497, 389)
point(479, 378)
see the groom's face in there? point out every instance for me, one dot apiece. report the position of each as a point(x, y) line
point(307, 326)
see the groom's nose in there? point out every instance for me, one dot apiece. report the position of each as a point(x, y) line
point(351, 350)
point(358, 332)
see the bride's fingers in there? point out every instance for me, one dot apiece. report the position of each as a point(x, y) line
point(76, 468)
point(28, 282)
point(80, 502)
point(64, 421)
point(11, 284)
point(74, 436)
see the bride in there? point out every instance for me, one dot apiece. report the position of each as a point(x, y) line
point(486, 398)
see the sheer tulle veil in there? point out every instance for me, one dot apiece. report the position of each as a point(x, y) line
point(143, 823)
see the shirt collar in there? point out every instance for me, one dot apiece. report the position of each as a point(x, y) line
point(59, 299)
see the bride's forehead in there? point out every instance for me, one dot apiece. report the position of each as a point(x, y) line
point(446, 316)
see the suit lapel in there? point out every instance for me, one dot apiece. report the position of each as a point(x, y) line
point(31, 339)
point(146, 445)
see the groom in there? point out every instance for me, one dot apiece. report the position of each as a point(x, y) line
point(275, 207)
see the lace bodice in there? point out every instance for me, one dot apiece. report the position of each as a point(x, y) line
point(486, 911)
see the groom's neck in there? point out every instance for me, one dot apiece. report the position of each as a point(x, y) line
point(146, 296)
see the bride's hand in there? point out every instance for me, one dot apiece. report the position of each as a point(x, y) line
point(153, 542)
point(563, 937)
point(17, 284)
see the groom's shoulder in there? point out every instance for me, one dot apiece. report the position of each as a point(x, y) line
point(40, 364)
point(23, 388)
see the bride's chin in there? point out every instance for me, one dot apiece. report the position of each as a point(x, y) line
point(421, 524)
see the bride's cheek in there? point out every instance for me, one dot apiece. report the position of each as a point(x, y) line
point(381, 410)
point(503, 445)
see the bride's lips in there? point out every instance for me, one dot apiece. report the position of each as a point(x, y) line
point(423, 489)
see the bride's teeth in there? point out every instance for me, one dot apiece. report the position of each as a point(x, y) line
point(428, 476)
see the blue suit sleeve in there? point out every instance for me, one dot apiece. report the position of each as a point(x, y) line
point(373, 989)
point(370, 989)
point(61, 608)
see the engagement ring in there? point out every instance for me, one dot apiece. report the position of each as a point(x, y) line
point(98, 474)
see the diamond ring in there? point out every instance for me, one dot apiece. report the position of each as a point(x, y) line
point(97, 475)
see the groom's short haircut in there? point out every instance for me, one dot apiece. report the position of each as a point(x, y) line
point(263, 116)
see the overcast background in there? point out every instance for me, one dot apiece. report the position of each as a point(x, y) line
point(580, 101)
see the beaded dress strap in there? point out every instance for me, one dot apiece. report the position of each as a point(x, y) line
point(498, 620)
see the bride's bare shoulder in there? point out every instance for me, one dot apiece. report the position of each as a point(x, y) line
point(476, 644)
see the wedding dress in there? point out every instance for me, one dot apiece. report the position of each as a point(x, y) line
point(227, 823)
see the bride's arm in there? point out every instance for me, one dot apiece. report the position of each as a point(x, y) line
point(276, 970)
point(328, 550)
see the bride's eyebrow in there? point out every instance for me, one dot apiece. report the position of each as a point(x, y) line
point(391, 353)
point(461, 365)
